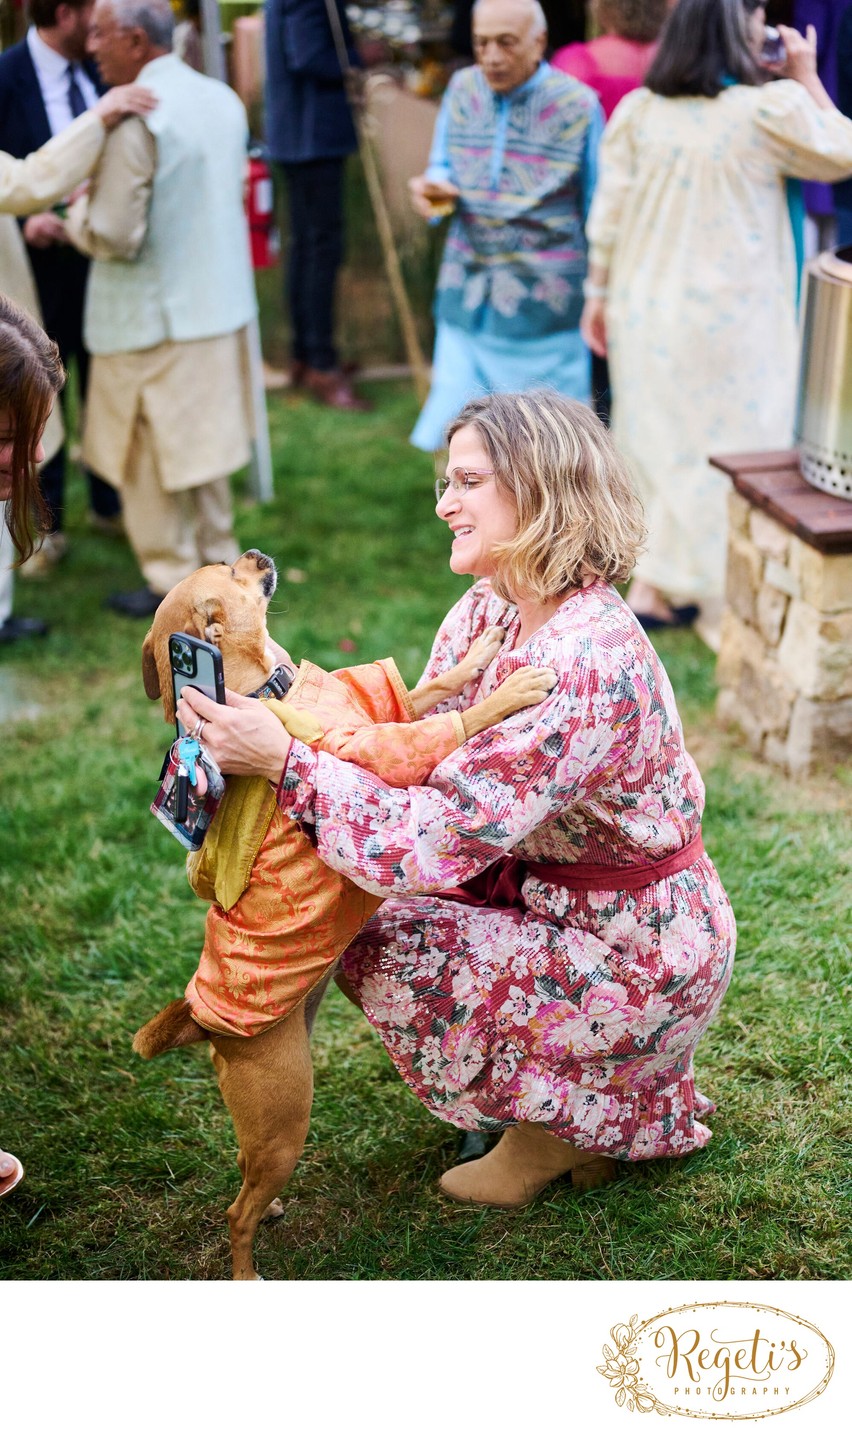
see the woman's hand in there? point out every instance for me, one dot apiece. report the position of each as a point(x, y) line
point(800, 61)
point(243, 736)
point(593, 327)
point(124, 100)
point(800, 64)
point(42, 231)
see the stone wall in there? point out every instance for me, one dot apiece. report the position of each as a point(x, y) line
point(785, 658)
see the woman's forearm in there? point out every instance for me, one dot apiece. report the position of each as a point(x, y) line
point(50, 173)
point(818, 93)
point(800, 63)
point(389, 841)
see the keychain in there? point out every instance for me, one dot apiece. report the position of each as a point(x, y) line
point(184, 813)
point(188, 751)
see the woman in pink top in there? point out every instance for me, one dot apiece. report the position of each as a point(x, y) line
point(615, 62)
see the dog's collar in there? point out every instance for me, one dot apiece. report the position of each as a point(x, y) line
point(276, 686)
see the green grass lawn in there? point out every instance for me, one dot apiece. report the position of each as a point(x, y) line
point(130, 1165)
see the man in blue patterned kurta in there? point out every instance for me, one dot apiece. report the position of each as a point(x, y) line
point(514, 154)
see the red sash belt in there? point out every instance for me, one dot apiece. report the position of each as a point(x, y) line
point(500, 885)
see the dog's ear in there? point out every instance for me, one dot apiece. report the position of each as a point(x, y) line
point(209, 620)
point(157, 671)
point(150, 675)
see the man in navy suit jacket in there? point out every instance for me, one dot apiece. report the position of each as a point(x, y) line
point(309, 134)
point(45, 81)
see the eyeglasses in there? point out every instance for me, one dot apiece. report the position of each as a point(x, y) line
point(461, 481)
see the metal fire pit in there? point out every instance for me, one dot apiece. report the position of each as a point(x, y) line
point(824, 417)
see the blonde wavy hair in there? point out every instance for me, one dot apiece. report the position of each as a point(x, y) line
point(578, 513)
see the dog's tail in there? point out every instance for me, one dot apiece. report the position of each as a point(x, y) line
point(172, 1028)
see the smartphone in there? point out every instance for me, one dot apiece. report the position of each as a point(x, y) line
point(774, 51)
point(198, 665)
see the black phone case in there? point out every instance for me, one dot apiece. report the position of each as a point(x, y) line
point(201, 668)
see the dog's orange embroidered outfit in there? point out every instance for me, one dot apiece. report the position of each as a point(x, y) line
point(279, 917)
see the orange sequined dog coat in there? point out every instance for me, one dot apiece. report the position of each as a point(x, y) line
point(279, 918)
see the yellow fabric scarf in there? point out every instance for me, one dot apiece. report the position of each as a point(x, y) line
point(220, 870)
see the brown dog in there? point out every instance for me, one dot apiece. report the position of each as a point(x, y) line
point(266, 1079)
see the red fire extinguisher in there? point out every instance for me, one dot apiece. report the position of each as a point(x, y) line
point(260, 213)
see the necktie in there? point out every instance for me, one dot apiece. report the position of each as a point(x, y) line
point(75, 95)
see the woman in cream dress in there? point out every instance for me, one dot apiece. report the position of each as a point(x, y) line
point(28, 186)
point(692, 279)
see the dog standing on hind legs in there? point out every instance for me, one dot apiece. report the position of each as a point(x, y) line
point(259, 980)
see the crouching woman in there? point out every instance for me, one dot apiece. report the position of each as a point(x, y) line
point(555, 939)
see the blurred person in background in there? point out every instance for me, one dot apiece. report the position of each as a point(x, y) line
point(843, 191)
point(46, 82)
point(28, 185)
point(615, 61)
point(31, 376)
point(613, 64)
point(170, 298)
point(187, 43)
point(817, 200)
point(692, 279)
point(566, 22)
point(310, 133)
point(513, 157)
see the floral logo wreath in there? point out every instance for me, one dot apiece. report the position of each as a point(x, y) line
point(622, 1372)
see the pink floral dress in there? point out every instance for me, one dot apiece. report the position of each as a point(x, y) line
point(580, 1010)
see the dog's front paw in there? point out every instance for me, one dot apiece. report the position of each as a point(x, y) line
point(525, 687)
point(482, 651)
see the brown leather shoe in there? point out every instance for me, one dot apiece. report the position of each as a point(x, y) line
point(331, 387)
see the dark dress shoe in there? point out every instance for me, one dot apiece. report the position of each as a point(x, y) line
point(300, 369)
point(472, 1145)
point(135, 603)
point(681, 618)
point(17, 627)
point(331, 387)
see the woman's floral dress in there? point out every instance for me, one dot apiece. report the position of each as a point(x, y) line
point(582, 1010)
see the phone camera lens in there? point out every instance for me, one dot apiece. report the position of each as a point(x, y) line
point(182, 657)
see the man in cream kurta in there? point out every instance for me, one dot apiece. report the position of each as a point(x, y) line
point(27, 186)
point(170, 295)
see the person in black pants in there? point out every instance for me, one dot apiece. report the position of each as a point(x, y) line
point(310, 132)
point(46, 81)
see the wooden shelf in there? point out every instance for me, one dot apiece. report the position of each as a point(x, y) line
point(772, 480)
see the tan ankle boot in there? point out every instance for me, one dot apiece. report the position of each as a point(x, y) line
point(525, 1160)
